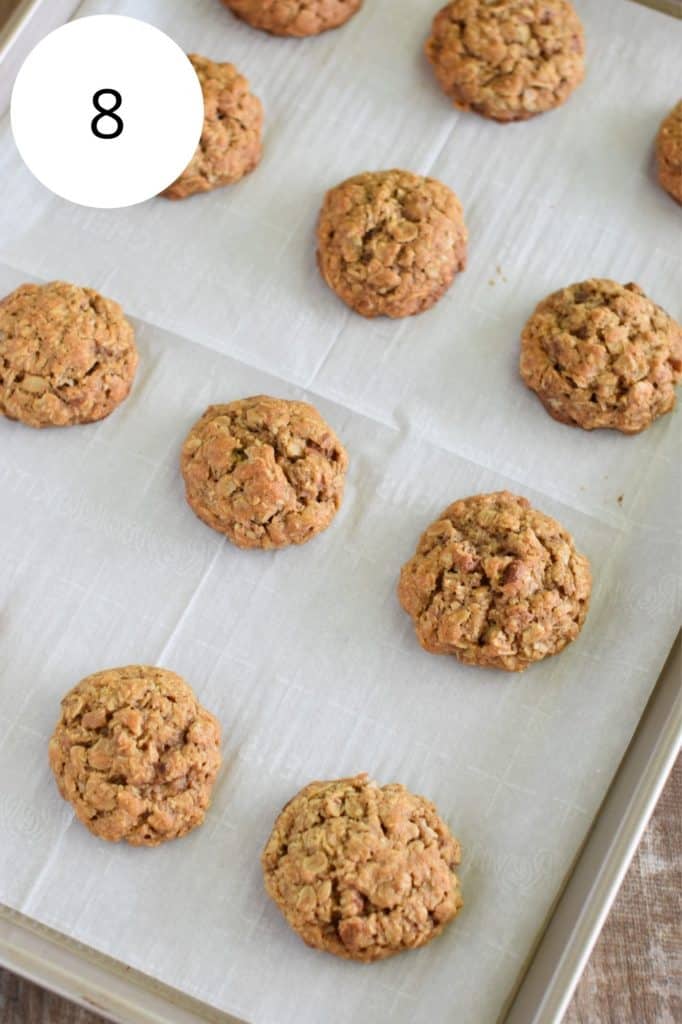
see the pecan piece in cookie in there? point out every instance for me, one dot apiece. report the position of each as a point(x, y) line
point(389, 243)
point(496, 583)
point(67, 355)
point(362, 871)
point(136, 755)
point(601, 354)
point(507, 60)
point(669, 152)
point(230, 144)
point(294, 17)
point(266, 472)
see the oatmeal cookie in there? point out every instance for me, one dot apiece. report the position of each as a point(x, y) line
point(496, 583)
point(266, 472)
point(67, 355)
point(136, 755)
point(507, 60)
point(362, 871)
point(601, 354)
point(391, 242)
point(294, 17)
point(230, 144)
point(669, 153)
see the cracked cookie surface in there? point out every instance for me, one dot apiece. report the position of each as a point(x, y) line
point(669, 152)
point(507, 59)
point(601, 354)
point(267, 472)
point(496, 583)
point(294, 17)
point(67, 355)
point(230, 144)
point(391, 242)
point(362, 871)
point(136, 755)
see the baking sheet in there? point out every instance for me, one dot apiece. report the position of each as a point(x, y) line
point(104, 564)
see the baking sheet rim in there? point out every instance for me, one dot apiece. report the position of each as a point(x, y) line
point(542, 991)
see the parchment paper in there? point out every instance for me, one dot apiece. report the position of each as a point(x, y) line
point(304, 654)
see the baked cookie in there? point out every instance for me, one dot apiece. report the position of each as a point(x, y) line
point(136, 755)
point(362, 871)
point(601, 354)
point(669, 153)
point(266, 472)
point(507, 61)
point(230, 144)
point(496, 583)
point(294, 17)
point(67, 355)
point(389, 243)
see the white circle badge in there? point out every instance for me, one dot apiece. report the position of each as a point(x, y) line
point(107, 111)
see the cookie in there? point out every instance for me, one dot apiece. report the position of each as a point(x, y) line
point(669, 153)
point(362, 871)
point(496, 583)
point(266, 472)
point(67, 355)
point(136, 755)
point(507, 61)
point(391, 242)
point(230, 144)
point(601, 354)
point(294, 17)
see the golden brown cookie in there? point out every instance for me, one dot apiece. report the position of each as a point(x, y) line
point(267, 472)
point(389, 243)
point(507, 61)
point(362, 871)
point(67, 355)
point(601, 354)
point(669, 152)
point(136, 755)
point(294, 17)
point(496, 583)
point(230, 144)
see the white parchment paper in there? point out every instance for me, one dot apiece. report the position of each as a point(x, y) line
point(305, 655)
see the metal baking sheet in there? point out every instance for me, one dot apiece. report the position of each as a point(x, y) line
point(106, 986)
point(127, 1012)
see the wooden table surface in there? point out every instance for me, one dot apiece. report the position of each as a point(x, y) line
point(6, 8)
point(634, 975)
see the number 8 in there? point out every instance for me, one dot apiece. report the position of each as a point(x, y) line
point(107, 112)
